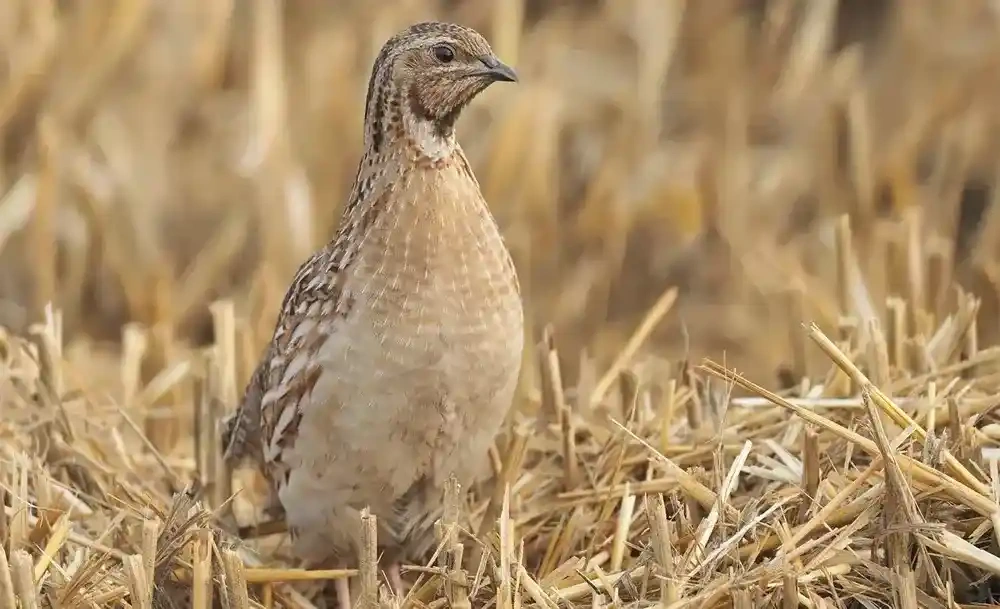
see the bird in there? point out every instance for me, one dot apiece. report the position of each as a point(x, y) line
point(398, 345)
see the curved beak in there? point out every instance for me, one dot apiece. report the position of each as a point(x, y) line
point(498, 70)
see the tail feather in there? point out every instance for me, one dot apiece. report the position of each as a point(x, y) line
point(239, 431)
point(233, 437)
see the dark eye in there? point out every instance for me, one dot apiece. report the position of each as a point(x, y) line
point(444, 53)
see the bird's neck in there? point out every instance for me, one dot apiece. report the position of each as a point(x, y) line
point(426, 139)
point(396, 118)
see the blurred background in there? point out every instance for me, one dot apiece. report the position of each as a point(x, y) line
point(159, 155)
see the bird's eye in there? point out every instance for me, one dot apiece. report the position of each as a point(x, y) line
point(444, 53)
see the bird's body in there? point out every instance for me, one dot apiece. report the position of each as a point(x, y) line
point(398, 345)
point(416, 364)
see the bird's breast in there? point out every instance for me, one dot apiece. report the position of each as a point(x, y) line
point(434, 278)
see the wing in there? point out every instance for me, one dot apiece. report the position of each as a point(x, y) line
point(246, 432)
point(267, 419)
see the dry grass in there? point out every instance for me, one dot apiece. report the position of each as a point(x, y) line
point(677, 180)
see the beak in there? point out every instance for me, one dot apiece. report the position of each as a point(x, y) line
point(497, 70)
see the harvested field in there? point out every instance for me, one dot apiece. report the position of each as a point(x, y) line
point(757, 240)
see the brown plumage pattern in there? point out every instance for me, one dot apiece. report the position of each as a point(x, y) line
point(398, 345)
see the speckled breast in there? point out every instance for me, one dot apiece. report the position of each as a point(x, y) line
point(439, 294)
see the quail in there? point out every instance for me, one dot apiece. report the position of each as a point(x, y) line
point(397, 348)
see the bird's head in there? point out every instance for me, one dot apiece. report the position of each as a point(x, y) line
point(432, 70)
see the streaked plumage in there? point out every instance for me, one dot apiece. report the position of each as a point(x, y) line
point(398, 345)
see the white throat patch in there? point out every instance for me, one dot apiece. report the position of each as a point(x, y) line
point(428, 142)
